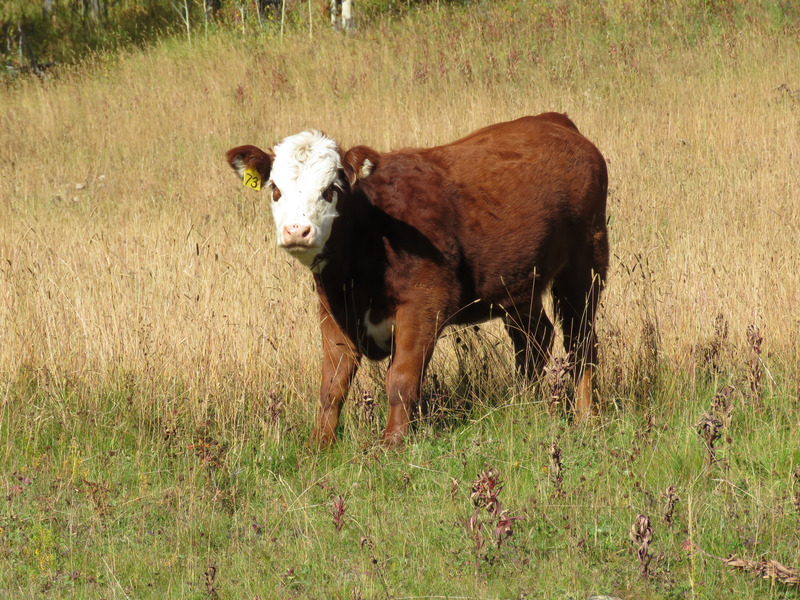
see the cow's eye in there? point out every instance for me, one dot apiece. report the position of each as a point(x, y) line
point(276, 193)
point(330, 193)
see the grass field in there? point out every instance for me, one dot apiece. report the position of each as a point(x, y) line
point(159, 357)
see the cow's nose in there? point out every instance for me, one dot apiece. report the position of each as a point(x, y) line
point(296, 235)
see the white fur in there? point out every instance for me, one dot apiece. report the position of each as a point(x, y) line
point(381, 333)
point(304, 166)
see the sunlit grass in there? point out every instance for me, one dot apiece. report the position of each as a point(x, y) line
point(159, 356)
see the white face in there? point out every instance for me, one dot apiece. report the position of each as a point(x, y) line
point(303, 194)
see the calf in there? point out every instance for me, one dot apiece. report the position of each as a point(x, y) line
point(403, 243)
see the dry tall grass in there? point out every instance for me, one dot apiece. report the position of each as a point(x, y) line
point(129, 249)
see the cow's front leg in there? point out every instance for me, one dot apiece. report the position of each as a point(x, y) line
point(340, 360)
point(414, 340)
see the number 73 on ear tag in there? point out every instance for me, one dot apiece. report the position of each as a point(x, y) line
point(252, 179)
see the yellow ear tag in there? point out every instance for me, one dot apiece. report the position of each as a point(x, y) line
point(252, 179)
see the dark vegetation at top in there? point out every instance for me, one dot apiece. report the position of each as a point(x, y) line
point(36, 36)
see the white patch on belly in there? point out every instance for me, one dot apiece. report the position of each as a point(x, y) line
point(380, 333)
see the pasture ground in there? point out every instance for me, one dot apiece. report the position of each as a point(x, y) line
point(159, 356)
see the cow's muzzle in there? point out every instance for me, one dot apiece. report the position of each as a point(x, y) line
point(300, 237)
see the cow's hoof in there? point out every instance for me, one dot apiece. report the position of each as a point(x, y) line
point(320, 441)
point(392, 441)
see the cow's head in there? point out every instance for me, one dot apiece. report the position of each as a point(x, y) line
point(303, 176)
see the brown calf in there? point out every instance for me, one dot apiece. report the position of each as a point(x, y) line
point(403, 243)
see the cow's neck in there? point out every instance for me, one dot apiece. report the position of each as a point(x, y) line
point(352, 277)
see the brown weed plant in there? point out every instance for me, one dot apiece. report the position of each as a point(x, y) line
point(716, 422)
point(641, 535)
point(98, 492)
point(722, 407)
point(275, 408)
point(557, 377)
point(643, 433)
point(556, 468)
point(766, 569)
point(485, 494)
point(366, 406)
point(210, 576)
point(709, 429)
point(338, 509)
point(754, 372)
point(671, 498)
point(712, 351)
point(485, 491)
point(454, 485)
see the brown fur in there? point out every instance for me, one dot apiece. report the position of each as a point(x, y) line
point(461, 233)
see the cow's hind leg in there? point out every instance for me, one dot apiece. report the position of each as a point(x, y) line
point(576, 294)
point(531, 334)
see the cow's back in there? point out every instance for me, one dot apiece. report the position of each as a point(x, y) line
point(505, 201)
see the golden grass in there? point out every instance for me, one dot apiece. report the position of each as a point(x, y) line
point(129, 248)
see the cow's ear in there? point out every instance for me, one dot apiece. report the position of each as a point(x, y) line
point(243, 157)
point(358, 163)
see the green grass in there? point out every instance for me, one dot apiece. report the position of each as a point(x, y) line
point(108, 495)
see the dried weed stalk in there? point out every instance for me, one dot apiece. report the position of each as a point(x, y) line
point(716, 422)
point(754, 373)
point(210, 575)
point(338, 510)
point(767, 569)
point(556, 467)
point(485, 493)
point(712, 351)
point(474, 527)
point(670, 500)
point(557, 377)
point(651, 344)
point(797, 489)
point(275, 408)
point(643, 433)
point(722, 408)
point(99, 494)
point(641, 535)
point(709, 428)
point(365, 407)
point(453, 488)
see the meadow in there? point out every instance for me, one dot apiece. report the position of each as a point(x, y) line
point(159, 356)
